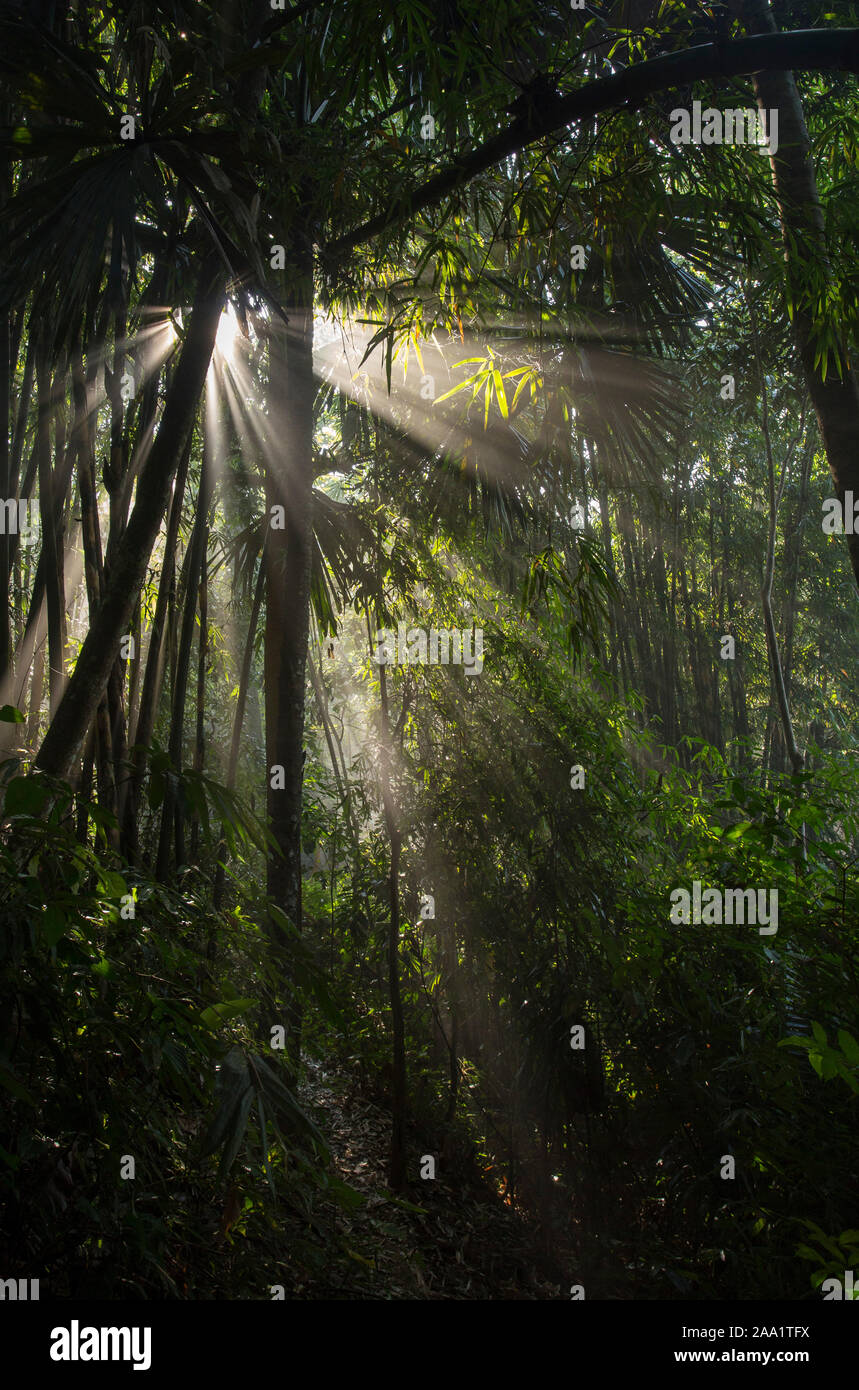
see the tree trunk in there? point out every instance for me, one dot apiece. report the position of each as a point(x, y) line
point(695, 652)
point(35, 707)
point(792, 553)
point(9, 547)
point(84, 789)
point(119, 503)
point(289, 485)
point(82, 435)
point(238, 719)
point(339, 775)
point(202, 658)
point(739, 699)
point(6, 491)
point(397, 1165)
point(615, 636)
point(51, 549)
point(835, 400)
point(128, 569)
point(153, 675)
point(134, 675)
point(773, 499)
point(8, 486)
point(171, 815)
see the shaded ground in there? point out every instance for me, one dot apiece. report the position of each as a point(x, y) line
point(448, 1238)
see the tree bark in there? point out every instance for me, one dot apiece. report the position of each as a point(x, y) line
point(6, 367)
point(134, 675)
point(339, 776)
point(397, 1164)
point(171, 816)
point(128, 569)
point(773, 499)
point(202, 658)
point(239, 717)
point(9, 547)
point(153, 675)
point(835, 399)
point(35, 707)
point(289, 484)
point(50, 524)
point(792, 552)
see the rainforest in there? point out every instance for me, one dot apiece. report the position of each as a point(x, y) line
point(429, 702)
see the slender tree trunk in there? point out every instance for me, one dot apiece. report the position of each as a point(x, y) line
point(289, 486)
point(659, 580)
point(635, 588)
point(51, 548)
point(90, 525)
point(6, 490)
point(717, 737)
point(8, 483)
point(322, 706)
point(105, 764)
point(115, 466)
point(134, 674)
point(739, 699)
point(835, 399)
point(171, 816)
point(397, 1167)
point(238, 718)
point(397, 1163)
point(9, 548)
point(154, 672)
point(124, 473)
point(35, 707)
point(693, 643)
point(22, 413)
point(102, 743)
point(33, 628)
point(676, 702)
point(605, 528)
point(84, 789)
point(451, 974)
point(776, 671)
point(792, 551)
point(68, 728)
point(202, 658)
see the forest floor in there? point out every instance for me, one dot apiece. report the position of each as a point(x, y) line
point(448, 1238)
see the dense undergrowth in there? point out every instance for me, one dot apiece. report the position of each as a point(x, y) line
point(144, 1037)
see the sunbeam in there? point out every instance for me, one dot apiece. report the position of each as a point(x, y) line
point(228, 332)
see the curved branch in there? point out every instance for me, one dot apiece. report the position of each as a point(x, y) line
point(804, 49)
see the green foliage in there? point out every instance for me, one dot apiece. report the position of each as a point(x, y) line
point(122, 1037)
point(136, 1005)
